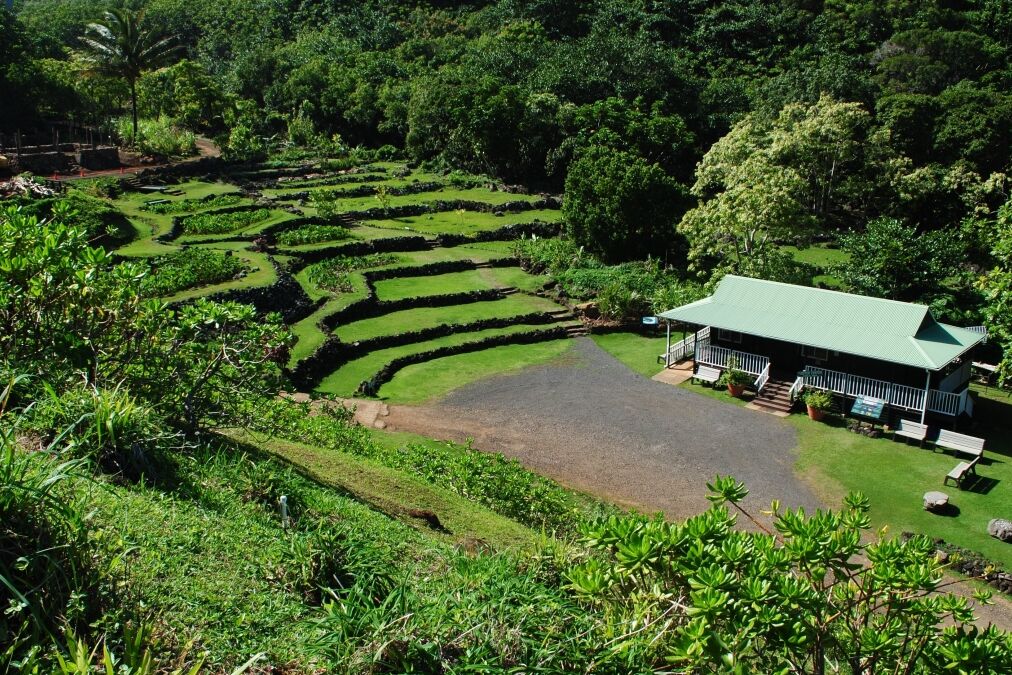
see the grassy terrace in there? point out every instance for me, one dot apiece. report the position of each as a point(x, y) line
point(346, 380)
point(423, 382)
point(468, 222)
point(429, 317)
point(439, 284)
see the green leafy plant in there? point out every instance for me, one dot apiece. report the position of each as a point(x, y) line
point(313, 234)
point(785, 597)
point(818, 399)
point(333, 274)
point(221, 223)
point(189, 268)
point(190, 205)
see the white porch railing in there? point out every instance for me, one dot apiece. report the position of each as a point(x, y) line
point(711, 355)
point(763, 378)
point(896, 395)
point(686, 347)
point(796, 388)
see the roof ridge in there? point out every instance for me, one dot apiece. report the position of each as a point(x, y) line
point(829, 290)
point(916, 344)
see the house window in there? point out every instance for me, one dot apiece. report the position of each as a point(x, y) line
point(814, 353)
point(729, 335)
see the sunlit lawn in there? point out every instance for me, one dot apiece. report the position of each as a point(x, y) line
point(467, 222)
point(895, 477)
point(434, 379)
point(637, 351)
point(439, 284)
point(428, 317)
point(346, 380)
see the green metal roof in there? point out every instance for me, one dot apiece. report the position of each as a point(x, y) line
point(888, 330)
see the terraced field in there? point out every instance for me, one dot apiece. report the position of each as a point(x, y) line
point(407, 292)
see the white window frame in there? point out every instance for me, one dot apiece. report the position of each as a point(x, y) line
point(729, 335)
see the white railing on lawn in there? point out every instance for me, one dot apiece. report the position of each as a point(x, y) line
point(711, 355)
point(896, 395)
point(796, 388)
point(686, 347)
point(763, 378)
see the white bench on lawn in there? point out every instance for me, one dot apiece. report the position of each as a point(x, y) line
point(959, 473)
point(909, 429)
point(968, 445)
point(706, 374)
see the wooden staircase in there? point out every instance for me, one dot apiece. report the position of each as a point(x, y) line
point(775, 396)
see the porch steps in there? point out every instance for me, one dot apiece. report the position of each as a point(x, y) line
point(775, 396)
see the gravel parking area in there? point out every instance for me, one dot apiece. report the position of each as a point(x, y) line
point(592, 424)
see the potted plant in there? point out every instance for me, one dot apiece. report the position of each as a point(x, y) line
point(735, 380)
point(818, 402)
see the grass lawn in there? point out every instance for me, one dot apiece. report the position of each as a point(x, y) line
point(515, 277)
point(895, 476)
point(822, 257)
point(468, 222)
point(428, 317)
point(434, 379)
point(639, 352)
point(344, 381)
point(438, 284)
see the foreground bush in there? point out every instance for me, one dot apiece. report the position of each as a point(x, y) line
point(793, 598)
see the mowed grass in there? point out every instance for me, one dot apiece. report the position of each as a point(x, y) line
point(438, 284)
point(443, 194)
point(428, 317)
point(514, 277)
point(637, 351)
point(466, 222)
point(823, 258)
point(434, 379)
point(345, 380)
point(895, 477)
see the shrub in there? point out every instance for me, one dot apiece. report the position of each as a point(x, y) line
point(313, 234)
point(333, 274)
point(819, 399)
point(158, 136)
point(189, 268)
point(551, 256)
point(221, 223)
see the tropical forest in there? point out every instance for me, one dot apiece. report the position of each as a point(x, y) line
point(345, 337)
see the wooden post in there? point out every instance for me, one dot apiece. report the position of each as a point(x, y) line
point(927, 395)
point(667, 349)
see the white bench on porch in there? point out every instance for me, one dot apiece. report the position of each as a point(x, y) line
point(968, 445)
point(706, 374)
point(908, 429)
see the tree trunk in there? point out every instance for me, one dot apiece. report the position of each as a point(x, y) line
point(133, 107)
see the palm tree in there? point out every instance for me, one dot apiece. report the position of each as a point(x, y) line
point(119, 46)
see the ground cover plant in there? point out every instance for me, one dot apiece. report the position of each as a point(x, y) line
point(313, 234)
point(334, 274)
point(222, 223)
point(188, 268)
point(190, 205)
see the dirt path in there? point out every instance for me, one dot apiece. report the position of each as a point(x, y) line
point(591, 423)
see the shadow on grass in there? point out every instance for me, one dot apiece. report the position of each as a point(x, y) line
point(950, 510)
point(982, 485)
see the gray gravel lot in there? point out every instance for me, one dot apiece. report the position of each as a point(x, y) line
point(593, 424)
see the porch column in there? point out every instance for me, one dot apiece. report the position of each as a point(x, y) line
point(667, 350)
point(927, 394)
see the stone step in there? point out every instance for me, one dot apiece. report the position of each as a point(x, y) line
point(773, 405)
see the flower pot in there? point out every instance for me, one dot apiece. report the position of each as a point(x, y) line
point(735, 390)
point(815, 413)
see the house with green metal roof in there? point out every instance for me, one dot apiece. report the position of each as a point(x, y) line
point(789, 337)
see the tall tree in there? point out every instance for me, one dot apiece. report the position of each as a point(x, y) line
point(120, 46)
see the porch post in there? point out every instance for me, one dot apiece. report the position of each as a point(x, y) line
point(667, 350)
point(927, 394)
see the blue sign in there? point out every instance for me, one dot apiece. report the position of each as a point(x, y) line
point(650, 321)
